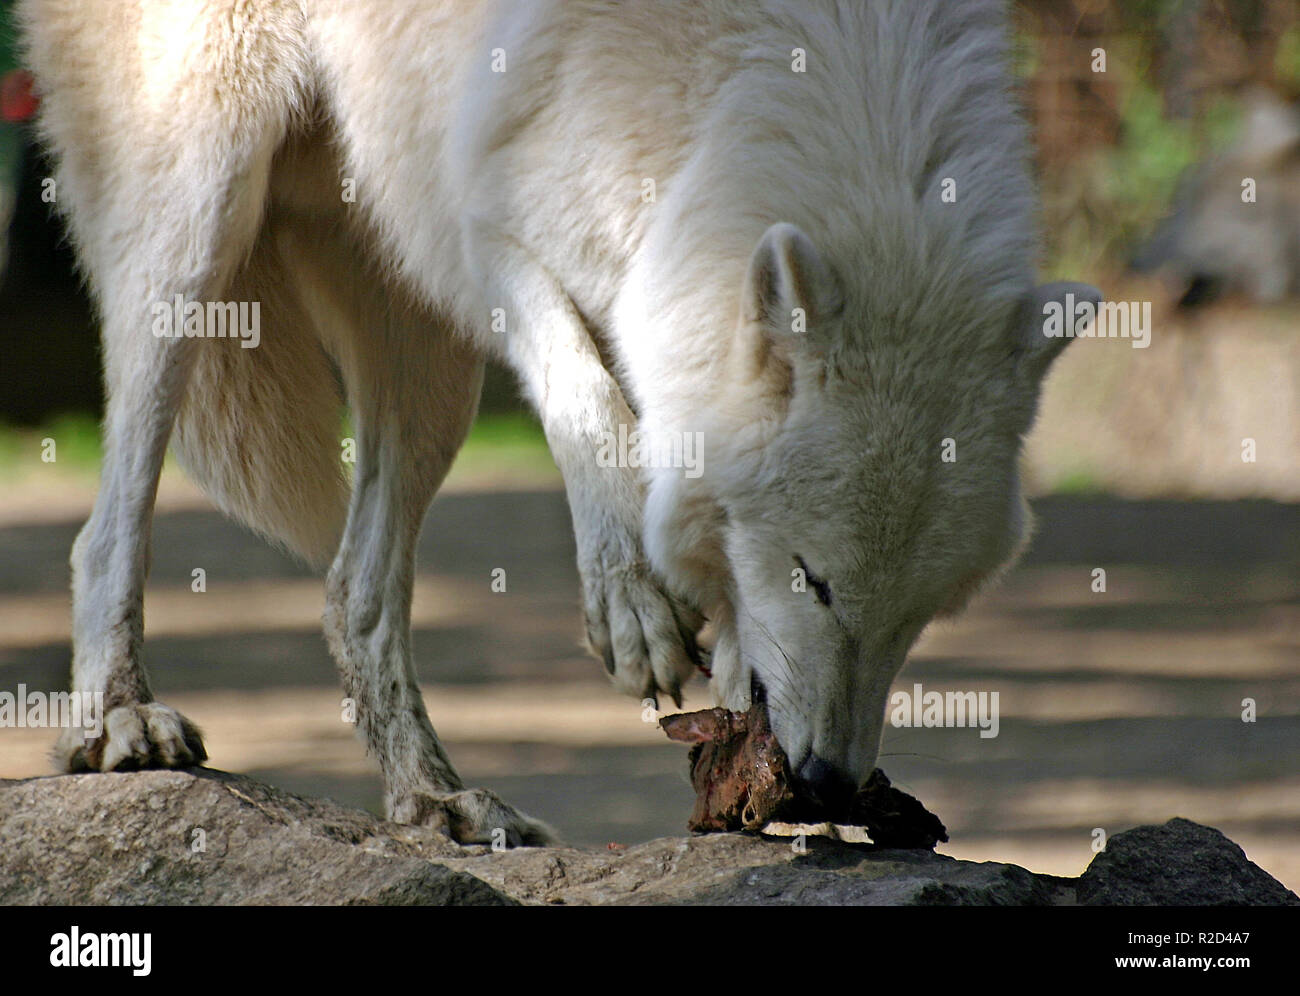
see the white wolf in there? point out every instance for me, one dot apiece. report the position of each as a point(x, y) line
point(802, 229)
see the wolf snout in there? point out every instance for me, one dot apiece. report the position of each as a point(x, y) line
point(830, 787)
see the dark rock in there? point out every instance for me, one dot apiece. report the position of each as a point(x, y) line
point(1179, 864)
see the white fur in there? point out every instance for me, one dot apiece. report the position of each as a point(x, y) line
point(202, 145)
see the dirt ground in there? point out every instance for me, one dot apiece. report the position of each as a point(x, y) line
point(1117, 708)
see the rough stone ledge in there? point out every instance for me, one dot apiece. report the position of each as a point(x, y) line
point(202, 836)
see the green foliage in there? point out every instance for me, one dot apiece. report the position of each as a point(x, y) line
point(1112, 200)
point(509, 439)
point(8, 37)
point(1079, 481)
point(513, 440)
point(1287, 62)
point(1024, 56)
point(1140, 174)
point(76, 442)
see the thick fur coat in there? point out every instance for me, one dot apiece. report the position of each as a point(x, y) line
point(801, 232)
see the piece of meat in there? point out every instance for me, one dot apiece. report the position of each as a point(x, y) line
point(742, 781)
point(738, 770)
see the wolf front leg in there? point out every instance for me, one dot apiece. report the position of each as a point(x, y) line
point(645, 635)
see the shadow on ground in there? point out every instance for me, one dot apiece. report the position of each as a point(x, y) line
point(1117, 708)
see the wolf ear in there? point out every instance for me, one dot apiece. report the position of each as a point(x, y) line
point(1048, 321)
point(788, 281)
point(789, 291)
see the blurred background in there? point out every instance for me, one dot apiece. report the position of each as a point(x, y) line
point(1118, 708)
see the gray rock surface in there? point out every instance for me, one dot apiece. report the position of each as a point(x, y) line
point(207, 837)
point(1179, 864)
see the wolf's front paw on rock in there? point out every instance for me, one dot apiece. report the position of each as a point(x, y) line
point(471, 816)
point(135, 736)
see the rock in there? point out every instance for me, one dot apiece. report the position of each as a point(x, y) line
point(1179, 864)
point(200, 836)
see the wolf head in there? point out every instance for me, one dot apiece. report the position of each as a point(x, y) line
point(860, 480)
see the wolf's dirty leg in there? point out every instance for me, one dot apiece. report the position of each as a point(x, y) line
point(414, 390)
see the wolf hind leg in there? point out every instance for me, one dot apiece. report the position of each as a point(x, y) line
point(182, 246)
point(413, 387)
point(164, 187)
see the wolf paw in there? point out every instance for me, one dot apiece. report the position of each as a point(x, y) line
point(471, 816)
point(645, 636)
point(140, 735)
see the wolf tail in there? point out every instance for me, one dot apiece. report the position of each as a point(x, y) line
point(259, 429)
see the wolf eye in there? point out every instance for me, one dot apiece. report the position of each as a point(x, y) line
point(820, 588)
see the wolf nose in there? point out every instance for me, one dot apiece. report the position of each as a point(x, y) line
point(825, 783)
